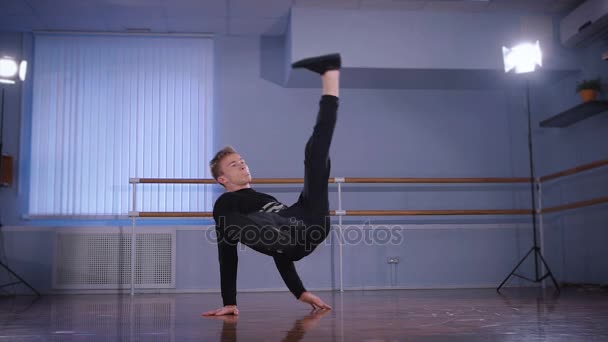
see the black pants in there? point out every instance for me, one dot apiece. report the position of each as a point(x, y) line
point(296, 231)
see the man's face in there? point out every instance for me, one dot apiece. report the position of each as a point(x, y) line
point(234, 171)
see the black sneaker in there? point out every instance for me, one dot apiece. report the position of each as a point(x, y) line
point(320, 64)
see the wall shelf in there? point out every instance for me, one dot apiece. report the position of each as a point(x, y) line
point(576, 114)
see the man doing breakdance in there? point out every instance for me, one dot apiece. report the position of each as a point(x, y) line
point(262, 223)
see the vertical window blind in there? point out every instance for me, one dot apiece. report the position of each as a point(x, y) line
point(110, 107)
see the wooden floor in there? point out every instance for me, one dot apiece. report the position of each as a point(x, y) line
point(400, 315)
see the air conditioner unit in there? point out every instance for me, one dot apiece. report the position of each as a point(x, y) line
point(586, 24)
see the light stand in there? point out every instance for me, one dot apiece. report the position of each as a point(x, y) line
point(533, 188)
point(523, 59)
point(6, 77)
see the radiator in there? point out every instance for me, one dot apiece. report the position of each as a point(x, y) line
point(101, 258)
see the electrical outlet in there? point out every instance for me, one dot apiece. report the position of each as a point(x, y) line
point(393, 260)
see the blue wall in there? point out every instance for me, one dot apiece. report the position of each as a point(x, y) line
point(384, 133)
point(575, 239)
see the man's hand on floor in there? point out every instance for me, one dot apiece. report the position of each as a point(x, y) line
point(314, 301)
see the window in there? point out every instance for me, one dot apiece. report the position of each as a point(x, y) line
point(107, 108)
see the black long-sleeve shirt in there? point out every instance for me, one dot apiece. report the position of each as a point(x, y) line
point(246, 201)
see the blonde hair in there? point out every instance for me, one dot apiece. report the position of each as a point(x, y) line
point(214, 164)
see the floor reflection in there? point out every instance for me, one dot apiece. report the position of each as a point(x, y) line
point(431, 315)
point(295, 334)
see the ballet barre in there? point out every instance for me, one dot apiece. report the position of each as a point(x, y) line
point(340, 212)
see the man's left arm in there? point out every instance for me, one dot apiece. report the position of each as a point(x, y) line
point(290, 276)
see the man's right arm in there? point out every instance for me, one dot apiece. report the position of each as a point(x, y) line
point(227, 252)
point(228, 258)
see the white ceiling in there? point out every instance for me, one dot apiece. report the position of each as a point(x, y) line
point(232, 17)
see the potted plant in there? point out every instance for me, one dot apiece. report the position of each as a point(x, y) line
point(589, 89)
